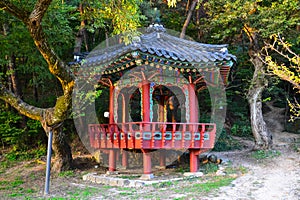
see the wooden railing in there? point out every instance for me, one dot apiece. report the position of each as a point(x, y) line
point(152, 135)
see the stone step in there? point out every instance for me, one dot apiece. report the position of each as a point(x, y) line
point(123, 182)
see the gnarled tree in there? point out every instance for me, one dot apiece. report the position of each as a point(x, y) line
point(247, 24)
point(53, 117)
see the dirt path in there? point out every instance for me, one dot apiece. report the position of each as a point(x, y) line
point(276, 178)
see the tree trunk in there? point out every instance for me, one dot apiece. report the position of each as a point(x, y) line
point(188, 18)
point(81, 34)
point(15, 86)
point(63, 156)
point(14, 75)
point(201, 13)
point(262, 136)
point(61, 148)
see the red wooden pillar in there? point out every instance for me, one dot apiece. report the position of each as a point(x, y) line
point(162, 158)
point(147, 161)
point(161, 109)
point(194, 162)
point(193, 104)
point(161, 118)
point(125, 159)
point(112, 152)
point(111, 104)
point(112, 160)
point(146, 101)
point(124, 120)
point(146, 118)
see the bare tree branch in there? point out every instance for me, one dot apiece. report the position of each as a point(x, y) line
point(282, 71)
point(24, 108)
point(56, 66)
point(38, 12)
point(188, 18)
point(14, 10)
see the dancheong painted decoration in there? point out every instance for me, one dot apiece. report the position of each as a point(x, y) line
point(153, 104)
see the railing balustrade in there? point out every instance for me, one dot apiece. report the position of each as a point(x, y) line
point(152, 135)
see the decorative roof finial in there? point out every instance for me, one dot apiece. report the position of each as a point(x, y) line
point(156, 16)
point(156, 26)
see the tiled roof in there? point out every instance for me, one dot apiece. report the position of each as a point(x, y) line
point(159, 43)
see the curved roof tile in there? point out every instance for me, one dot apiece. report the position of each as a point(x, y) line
point(165, 45)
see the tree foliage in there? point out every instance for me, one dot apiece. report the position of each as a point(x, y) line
point(247, 25)
point(287, 67)
point(47, 31)
point(227, 20)
point(120, 16)
point(40, 34)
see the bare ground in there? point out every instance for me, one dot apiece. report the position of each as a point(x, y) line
point(269, 178)
point(277, 178)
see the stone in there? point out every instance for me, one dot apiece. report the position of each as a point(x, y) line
point(123, 182)
point(139, 184)
point(122, 168)
point(113, 182)
point(85, 177)
point(220, 173)
point(126, 183)
point(131, 184)
point(98, 180)
point(147, 176)
point(160, 167)
point(92, 178)
point(112, 172)
point(106, 181)
point(196, 174)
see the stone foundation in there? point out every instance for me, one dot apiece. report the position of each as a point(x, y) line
point(122, 182)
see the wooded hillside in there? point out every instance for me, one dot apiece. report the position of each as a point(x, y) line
point(39, 39)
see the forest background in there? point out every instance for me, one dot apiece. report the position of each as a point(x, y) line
point(40, 38)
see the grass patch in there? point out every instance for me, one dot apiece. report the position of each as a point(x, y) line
point(127, 189)
point(213, 184)
point(5, 165)
point(182, 169)
point(15, 194)
point(106, 187)
point(125, 193)
point(209, 168)
point(264, 154)
point(80, 193)
point(14, 189)
point(68, 173)
point(234, 170)
point(163, 184)
point(17, 182)
point(4, 185)
point(25, 154)
point(30, 191)
point(180, 198)
point(10, 185)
